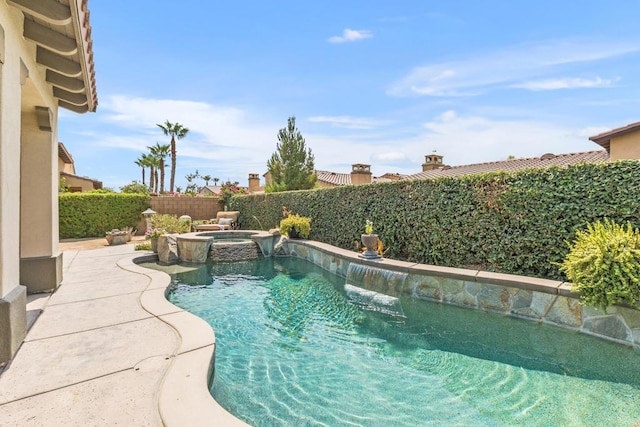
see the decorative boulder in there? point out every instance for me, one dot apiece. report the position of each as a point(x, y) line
point(168, 249)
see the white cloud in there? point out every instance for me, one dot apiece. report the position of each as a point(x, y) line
point(461, 139)
point(563, 83)
point(479, 73)
point(390, 157)
point(349, 35)
point(229, 143)
point(346, 122)
point(590, 131)
point(475, 139)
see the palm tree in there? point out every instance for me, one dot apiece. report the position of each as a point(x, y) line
point(215, 181)
point(151, 162)
point(176, 131)
point(160, 152)
point(147, 161)
point(141, 162)
point(206, 178)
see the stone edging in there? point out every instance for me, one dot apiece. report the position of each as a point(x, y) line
point(529, 298)
point(184, 397)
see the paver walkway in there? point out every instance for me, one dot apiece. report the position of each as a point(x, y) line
point(94, 356)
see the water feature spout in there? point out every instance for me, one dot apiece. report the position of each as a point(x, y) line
point(376, 279)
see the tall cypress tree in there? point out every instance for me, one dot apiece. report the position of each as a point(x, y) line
point(291, 167)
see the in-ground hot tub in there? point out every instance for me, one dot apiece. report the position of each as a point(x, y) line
point(218, 246)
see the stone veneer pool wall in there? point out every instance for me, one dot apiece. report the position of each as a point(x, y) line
point(530, 298)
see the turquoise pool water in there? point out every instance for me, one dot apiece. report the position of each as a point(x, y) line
point(296, 347)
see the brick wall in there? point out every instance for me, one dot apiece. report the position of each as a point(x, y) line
point(197, 208)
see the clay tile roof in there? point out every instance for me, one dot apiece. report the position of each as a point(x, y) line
point(334, 178)
point(604, 139)
point(515, 164)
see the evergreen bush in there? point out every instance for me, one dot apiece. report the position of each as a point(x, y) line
point(296, 225)
point(603, 264)
point(93, 214)
point(506, 222)
point(169, 224)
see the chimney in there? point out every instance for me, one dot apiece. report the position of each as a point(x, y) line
point(431, 162)
point(254, 182)
point(360, 174)
point(267, 178)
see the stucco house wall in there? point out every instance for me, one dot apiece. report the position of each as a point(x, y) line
point(34, 71)
point(625, 146)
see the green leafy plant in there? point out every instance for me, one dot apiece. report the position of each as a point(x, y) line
point(93, 214)
point(291, 167)
point(514, 223)
point(154, 233)
point(169, 224)
point(135, 188)
point(368, 228)
point(294, 225)
point(228, 190)
point(603, 264)
point(146, 246)
point(62, 185)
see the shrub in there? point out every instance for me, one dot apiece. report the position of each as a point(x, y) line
point(93, 214)
point(146, 246)
point(135, 187)
point(508, 222)
point(169, 224)
point(603, 264)
point(228, 190)
point(296, 225)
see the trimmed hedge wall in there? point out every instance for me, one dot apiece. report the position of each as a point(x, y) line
point(516, 223)
point(93, 214)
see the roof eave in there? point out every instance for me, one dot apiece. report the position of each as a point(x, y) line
point(62, 35)
point(604, 139)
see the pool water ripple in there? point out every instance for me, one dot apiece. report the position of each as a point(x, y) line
point(294, 349)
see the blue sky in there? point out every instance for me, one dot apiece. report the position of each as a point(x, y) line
point(376, 82)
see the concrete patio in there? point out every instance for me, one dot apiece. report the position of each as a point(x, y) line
point(107, 348)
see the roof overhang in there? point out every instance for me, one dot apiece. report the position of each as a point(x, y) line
point(604, 139)
point(64, 154)
point(61, 31)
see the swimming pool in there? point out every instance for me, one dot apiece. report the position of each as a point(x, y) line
point(298, 346)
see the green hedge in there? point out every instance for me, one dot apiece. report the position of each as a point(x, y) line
point(517, 223)
point(92, 215)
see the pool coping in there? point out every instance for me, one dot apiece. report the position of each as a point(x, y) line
point(522, 282)
point(183, 397)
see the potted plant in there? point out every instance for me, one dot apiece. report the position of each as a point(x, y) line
point(370, 241)
point(152, 235)
point(118, 237)
point(296, 226)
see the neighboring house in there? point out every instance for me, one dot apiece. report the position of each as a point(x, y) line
point(621, 143)
point(254, 184)
point(360, 174)
point(209, 190)
point(67, 171)
point(214, 190)
point(46, 62)
point(431, 169)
